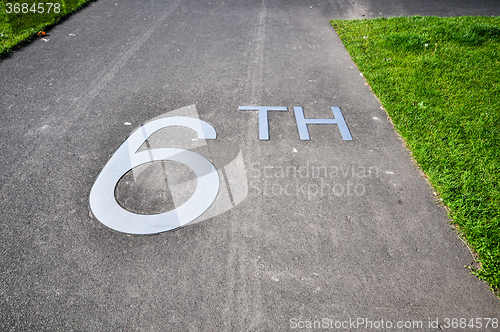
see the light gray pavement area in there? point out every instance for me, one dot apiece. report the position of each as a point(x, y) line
point(356, 233)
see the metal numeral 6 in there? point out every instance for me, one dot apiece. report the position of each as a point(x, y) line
point(102, 196)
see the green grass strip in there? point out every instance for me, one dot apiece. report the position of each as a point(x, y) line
point(439, 80)
point(21, 20)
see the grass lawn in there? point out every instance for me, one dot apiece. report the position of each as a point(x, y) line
point(439, 80)
point(21, 20)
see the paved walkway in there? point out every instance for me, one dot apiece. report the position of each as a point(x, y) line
point(331, 230)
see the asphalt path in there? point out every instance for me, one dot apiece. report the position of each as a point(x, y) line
point(329, 229)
